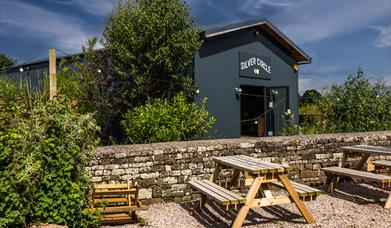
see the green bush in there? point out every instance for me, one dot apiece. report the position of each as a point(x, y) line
point(167, 120)
point(357, 105)
point(290, 125)
point(8, 90)
point(45, 147)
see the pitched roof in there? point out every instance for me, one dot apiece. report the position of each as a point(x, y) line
point(299, 55)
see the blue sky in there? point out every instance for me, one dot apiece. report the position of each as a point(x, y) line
point(339, 35)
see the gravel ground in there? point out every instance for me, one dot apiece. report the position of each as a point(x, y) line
point(352, 205)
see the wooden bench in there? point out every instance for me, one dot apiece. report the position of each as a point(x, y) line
point(219, 194)
point(118, 202)
point(305, 192)
point(232, 200)
point(382, 163)
point(383, 180)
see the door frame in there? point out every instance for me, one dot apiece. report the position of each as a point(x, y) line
point(270, 117)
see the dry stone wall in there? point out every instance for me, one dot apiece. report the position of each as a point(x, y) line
point(163, 169)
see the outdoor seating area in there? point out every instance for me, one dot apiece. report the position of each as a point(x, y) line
point(364, 152)
point(248, 191)
point(258, 175)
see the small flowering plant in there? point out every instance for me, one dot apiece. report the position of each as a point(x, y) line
point(290, 126)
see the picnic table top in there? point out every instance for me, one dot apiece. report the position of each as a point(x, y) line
point(377, 150)
point(250, 164)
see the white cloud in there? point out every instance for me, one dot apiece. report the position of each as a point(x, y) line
point(313, 82)
point(22, 19)
point(97, 7)
point(388, 80)
point(253, 6)
point(307, 21)
point(384, 38)
point(321, 78)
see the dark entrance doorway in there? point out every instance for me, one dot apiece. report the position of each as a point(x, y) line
point(252, 108)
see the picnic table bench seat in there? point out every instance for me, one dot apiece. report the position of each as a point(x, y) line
point(305, 192)
point(383, 180)
point(217, 193)
point(382, 163)
point(117, 202)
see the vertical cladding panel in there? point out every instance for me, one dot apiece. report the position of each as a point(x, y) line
point(214, 78)
point(217, 76)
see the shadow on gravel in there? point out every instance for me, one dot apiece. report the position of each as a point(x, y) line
point(357, 193)
point(212, 215)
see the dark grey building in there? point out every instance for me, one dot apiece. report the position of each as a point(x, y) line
point(248, 72)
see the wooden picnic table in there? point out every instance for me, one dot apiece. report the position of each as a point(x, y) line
point(258, 175)
point(363, 151)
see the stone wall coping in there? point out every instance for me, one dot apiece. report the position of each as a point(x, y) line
point(237, 142)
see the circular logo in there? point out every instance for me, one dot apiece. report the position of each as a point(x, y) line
point(256, 71)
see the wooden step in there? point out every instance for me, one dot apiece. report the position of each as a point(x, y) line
point(115, 192)
point(217, 193)
point(357, 174)
point(304, 191)
point(118, 209)
point(382, 163)
point(111, 186)
point(116, 219)
point(110, 200)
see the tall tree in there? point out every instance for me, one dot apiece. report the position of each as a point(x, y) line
point(151, 43)
point(310, 96)
point(5, 61)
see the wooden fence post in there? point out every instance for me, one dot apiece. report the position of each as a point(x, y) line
point(52, 74)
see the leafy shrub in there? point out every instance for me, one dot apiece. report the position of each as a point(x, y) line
point(167, 120)
point(45, 147)
point(357, 105)
point(290, 125)
point(8, 89)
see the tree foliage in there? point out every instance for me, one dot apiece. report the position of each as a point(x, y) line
point(151, 44)
point(311, 96)
point(5, 61)
point(162, 120)
point(355, 106)
point(358, 105)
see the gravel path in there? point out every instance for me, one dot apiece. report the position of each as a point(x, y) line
point(351, 206)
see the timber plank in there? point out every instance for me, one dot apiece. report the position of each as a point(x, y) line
point(220, 194)
point(265, 164)
point(116, 192)
point(252, 165)
point(117, 209)
point(233, 195)
point(110, 186)
point(382, 163)
point(220, 199)
point(302, 189)
point(110, 200)
point(357, 174)
point(235, 164)
point(258, 165)
point(376, 150)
